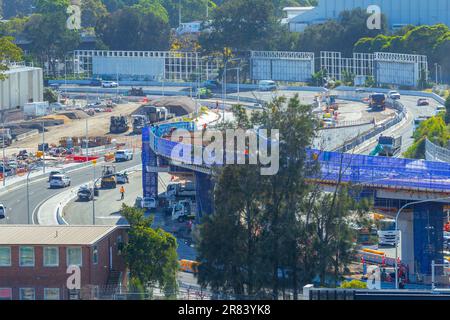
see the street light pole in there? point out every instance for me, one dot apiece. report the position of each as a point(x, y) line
point(397, 231)
point(93, 198)
point(4, 156)
point(43, 146)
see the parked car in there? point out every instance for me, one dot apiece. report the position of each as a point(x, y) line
point(394, 95)
point(110, 84)
point(423, 102)
point(2, 211)
point(60, 181)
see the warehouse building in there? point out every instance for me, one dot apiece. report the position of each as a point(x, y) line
point(399, 13)
point(22, 85)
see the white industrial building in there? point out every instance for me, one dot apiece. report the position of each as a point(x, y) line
point(22, 85)
point(399, 13)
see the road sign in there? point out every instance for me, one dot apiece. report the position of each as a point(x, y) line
point(94, 162)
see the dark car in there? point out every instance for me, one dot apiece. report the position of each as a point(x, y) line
point(85, 193)
point(423, 102)
point(211, 84)
point(96, 82)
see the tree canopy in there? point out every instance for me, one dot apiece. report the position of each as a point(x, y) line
point(8, 52)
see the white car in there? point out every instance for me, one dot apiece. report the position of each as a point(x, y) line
point(440, 108)
point(394, 95)
point(267, 85)
point(59, 181)
point(123, 155)
point(109, 84)
point(2, 211)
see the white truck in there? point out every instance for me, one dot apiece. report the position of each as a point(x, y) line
point(387, 236)
point(184, 210)
point(181, 190)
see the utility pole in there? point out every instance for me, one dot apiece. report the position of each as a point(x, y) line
point(94, 163)
point(179, 13)
point(87, 140)
point(43, 146)
point(4, 156)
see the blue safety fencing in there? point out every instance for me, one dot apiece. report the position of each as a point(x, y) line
point(383, 172)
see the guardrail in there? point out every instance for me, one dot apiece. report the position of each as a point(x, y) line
point(398, 106)
point(436, 153)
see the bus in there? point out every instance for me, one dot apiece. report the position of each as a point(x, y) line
point(189, 266)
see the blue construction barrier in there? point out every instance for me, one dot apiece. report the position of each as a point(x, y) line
point(374, 171)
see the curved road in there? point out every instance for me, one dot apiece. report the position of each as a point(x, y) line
point(16, 200)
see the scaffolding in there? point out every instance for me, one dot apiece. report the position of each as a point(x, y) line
point(176, 66)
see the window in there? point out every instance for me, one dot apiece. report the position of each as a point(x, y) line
point(95, 255)
point(51, 294)
point(74, 257)
point(5, 256)
point(26, 293)
point(26, 258)
point(51, 257)
point(5, 294)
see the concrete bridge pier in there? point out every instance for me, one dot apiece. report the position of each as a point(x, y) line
point(204, 188)
point(421, 240)
point(149, 170)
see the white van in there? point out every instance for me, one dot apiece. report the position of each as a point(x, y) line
point(267, 85)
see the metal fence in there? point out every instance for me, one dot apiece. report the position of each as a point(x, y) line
point(401, 114)
point(436, 153)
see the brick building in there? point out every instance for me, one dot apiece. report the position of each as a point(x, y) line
point(34, 261)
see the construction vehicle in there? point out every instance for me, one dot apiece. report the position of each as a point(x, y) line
point(5, 137)
point(109, 180)
point(118, 124)
point(181, 190)
point(139, 122)
point(183, 210)
point(377, 101)
point(388, 146)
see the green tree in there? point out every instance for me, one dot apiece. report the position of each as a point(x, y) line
point(237, 25)
point(50, 39)
point(131, 29)
point(16, 8)
point(51, 6)
point(8, 52)
point(50, 95)
point(151, 254)
point(447, 110)
point(92, 11)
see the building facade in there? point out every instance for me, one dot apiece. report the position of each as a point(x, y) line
point(35, 261)
point(399, 13)
point(22, 85)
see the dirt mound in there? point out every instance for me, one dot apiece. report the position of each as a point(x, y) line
point(74, 114)
point(179, 106)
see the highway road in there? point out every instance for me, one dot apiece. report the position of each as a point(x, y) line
point(16, 200)
point(406, 130)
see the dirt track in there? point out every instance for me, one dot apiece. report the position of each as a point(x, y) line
point(98, 125)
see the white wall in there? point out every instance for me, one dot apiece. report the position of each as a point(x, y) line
point(22, 85)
